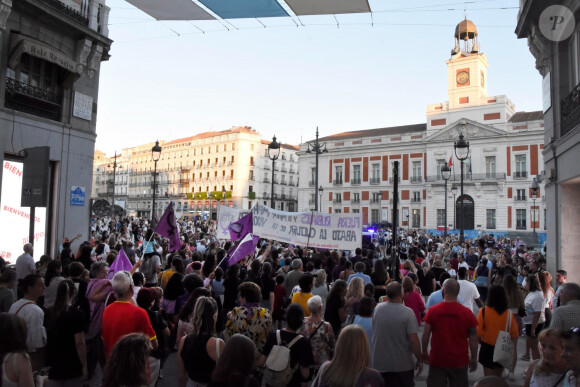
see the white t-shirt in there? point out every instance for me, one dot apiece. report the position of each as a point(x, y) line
point(534, 302)
point(33, 316)
point(467, 294)
point(463, 264)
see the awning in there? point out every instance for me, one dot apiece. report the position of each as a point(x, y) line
point(328, 7)
point(172, 9)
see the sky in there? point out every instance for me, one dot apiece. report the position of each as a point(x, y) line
point(171, 79)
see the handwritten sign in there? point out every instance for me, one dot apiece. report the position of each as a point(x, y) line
point(316, 229)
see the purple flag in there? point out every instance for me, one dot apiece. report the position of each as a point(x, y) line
point(245, 247)
point(120, 263)
point(239, 229)
point(167, 227)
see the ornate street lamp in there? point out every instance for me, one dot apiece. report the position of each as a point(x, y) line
point(454, 193)
point(224, 192)
point(380, 196)
point(273, 154)
point(320, 189)
point(461, 152)
point(446, 174)
point(156, 155)
point(318, 149)
point(535, 187)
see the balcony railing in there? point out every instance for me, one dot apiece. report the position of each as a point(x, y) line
point(355, 201)
point(70, 12)
point(267, 167)
point(375, 200)
point(468, 176)
point(520, 174)
point(33, 100)
point(416, 179)
point(184, 181)
point(354, 182)
point(291, 171)
point(311, 201)
point(375, 180)
point(391, 180)
point(415, 200)
point(337, 182)
point(570, 108)
point(283, 170)
point(311, 184)
point(337, 201)
point(520, 198)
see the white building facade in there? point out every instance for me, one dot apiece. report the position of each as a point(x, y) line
point(505, 155)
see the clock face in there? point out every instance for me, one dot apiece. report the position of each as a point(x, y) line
point(462, 77)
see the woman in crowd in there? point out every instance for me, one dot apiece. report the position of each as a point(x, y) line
point(427, 282)
point(515, 298)
point(249, 319)
point(65, 327)
point(491, 319)
point(301, 358)
point(184, 326)
point(482, 280)
point(199, 351)
point(354, 293)
point(549, 370)
point(364, 316)
point(534, 318)
point(321, 288)
point(32, 287)
point(85, 257)
point(235, 365)
point(302, 296)
point(545, 279)
point(175, 266)
point(347, 271)
point(319, 332)
point(127, 365)
point(231, 283)
point(350, 364)
point(571, 354)
point(412, 299)
point(15, 367)
point(335, 312)
point(379, 278)
point(52, 278)
point(268, 285)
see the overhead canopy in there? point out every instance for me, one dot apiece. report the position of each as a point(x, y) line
point(238, 9)
point(172, 9)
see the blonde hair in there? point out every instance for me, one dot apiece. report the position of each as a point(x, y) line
point(351, 357)
point(410, 266)
point(355, 288)
point(542, 368)
point(320, 278)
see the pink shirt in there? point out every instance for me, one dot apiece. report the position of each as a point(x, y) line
point(414, 301)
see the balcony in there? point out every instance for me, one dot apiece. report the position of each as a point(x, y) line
point(355, 201)
point(291, 171)
point(70, 12)
point(29, 99)
point(311, 184)
point(391, 180)
point(570, 111)
point(490, 177)
point(353, 182)
point(520, 198)
point(311, 201)
point(337, 182)
point(267, 180)
point(520, 174)
point(416, 179)
point(337, 201)
point(375, 180)
point(415, 200)
point(283, 170)
point(184, 181)
point(375, 200)
point(267, 167)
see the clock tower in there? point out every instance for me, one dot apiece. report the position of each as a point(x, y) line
point(467, 68)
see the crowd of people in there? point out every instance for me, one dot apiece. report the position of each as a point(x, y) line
point(285, 315)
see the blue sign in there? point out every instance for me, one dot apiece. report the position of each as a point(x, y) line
point(77, 196)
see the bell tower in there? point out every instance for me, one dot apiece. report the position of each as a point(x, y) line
point(466, 69)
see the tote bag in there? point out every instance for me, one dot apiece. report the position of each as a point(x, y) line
point(503, 351)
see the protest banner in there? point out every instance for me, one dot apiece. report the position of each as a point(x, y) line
point(314, 229)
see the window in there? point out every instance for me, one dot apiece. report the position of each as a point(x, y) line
point(338, 198)
point(232, 160)
point(490, 216)
point(234, 146)
point(416, 196)
point(356, 197)
point(232, 174)
point(490, 167)
point(217, 149)
point(441, 217)
point(251, 160)
point(291, 182)
point(225, 147)
point(209, 149)
point(520, 194)
point(440, 163)
point(376, 197)
point(312, 181)
point(416, 171)
point(338, 175)
point(355, 210)
point(376, 172)
point(251, 175)
point(521, 170)
point(375, 216)
point(35, 79)
point(520, 219)
point(356, 174)
point(416, 218)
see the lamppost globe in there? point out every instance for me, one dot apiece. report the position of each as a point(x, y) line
point(454, 193)
point(445, 171)
point(273, 154)
point(156, 152)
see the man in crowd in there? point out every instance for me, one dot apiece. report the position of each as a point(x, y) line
point(359, 268)
point(122, 317)
point(395, 340)
point(468, 293)
point(293, 277)
point(561, 278)
point(567, 315)
point(451, 328)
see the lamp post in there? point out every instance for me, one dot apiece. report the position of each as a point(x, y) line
point(461, 152)
point(210, 207)
point(318, 149)
point(535, 187)
point(454, 193)
point(380, 196)
point(114, 182)
point(273, 154)
point(156, 155)
point(320, 190)
point(408, 225)
point(446, 174)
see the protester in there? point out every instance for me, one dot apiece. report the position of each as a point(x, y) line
point(199, 351)
point(567, 315)
point(52, 278)
point(549, 370)
point(66, 339)
point(492, 319)
point(515, 299)
point(468, 292)
point(7, 282)
point(321, 288)
point(534, 318)
point(395, 340)
point(350, 364)
point(335, 312)
point(32, 288)
point(15, 368)
point(571, 354)
point(318, 332)
point(452, 330)
point(25, 262)
point(234, 367)
point(302, 296)
point(127, 364)
point(412, 299)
